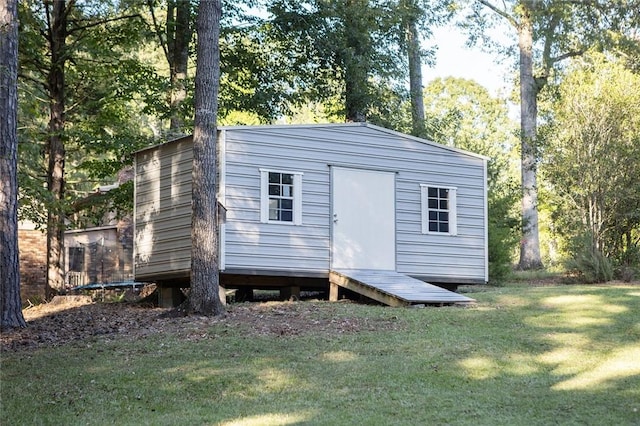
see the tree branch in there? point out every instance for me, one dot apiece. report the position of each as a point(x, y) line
point(68, 8)
point(34, 80)
point(47, 14)
point(567, 55)
point(102, 22)
point(499, 11)
point(156, 26)
point(548, 40)
point(89, 201)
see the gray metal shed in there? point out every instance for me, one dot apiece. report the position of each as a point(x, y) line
point(303, 200)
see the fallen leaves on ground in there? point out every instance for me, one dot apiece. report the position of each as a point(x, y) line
point(80, 319)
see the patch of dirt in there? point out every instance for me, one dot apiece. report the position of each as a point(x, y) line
point(72, 319)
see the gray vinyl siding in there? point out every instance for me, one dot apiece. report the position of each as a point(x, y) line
point(163, 205)
point(279, 247)
point(163, 211)
point(312, 150)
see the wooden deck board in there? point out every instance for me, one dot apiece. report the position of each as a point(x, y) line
point(393, 288)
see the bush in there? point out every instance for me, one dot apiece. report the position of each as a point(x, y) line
point(500, 249)
point(587, 262)
point(503, 231)
point(502, 240)
point(627, 273)
point(628, 263)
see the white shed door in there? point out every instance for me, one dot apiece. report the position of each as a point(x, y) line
point(363, 218)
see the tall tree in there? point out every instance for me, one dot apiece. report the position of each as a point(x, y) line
point(10, 304)
point(356, 56)
point(174, 40)
point(547, 33)
point(591, 163)
point(414, 56)
point(345, 50)
point(461, 113)
point(417, 20)
point(75, 68)
point(204, 297)
point(57, 15)
point(179, 36)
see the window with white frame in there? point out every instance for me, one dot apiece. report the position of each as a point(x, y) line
point(280, 196)
point(438, 210)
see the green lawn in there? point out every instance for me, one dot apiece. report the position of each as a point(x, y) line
point(521, 356)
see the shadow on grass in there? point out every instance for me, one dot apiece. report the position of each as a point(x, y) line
point(574, 350)
point(548, 355)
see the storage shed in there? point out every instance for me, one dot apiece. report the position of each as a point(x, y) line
point(302, 201)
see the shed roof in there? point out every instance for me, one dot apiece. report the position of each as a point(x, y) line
point(333, 126)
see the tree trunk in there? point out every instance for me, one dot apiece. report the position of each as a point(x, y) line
point(179, 36)
point(55, 146)
point(530, 242)
point(356, 61)
point(415, 71)
point(10, 303)
point(204, 297)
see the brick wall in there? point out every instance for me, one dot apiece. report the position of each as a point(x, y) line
point(32, 245)
point(112, 261)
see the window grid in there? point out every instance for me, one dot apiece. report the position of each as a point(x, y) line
point(281, 194)
point(438, 205)
point(438, 209)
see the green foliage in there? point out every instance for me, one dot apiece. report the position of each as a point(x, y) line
point(587, 262)
point(628, 273)
point(546, 33)
point(503, 234)
point(591, 159)
point(260, 78)
point(387, 107)
point(561, 29)
point(461, 113)
point(530, 276)
point(628, 264)
point(339, 50)
point(104, 84)
point(255, 76)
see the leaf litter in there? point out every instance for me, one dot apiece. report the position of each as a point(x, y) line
point(79, 319)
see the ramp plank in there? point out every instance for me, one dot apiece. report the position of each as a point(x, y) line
point(393, 288)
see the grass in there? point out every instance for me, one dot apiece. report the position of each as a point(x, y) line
point(525, 277)
point(522, 356)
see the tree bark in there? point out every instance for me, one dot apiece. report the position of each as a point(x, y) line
point(356, 60)
point(55, 145)
point(415, 70)
point(10, 303)
point(179, 36)
point(530, 243)
point(204, 297)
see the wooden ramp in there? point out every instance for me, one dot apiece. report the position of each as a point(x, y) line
point(391, 288)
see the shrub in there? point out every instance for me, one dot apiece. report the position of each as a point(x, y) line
point(627, 273)
point(500, 250)
point(503, 229)
point(628, 263)
point(588, 262)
